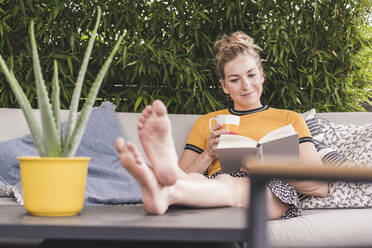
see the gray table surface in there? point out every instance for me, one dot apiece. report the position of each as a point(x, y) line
point(127, 223)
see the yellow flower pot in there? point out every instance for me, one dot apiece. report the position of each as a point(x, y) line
point(53, 186)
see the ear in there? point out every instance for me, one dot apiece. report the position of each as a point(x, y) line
point(222, 82)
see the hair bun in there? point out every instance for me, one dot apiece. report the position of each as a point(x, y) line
point(238, 38)
point(230, 46)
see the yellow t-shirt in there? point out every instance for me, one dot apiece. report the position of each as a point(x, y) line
point(253, 123)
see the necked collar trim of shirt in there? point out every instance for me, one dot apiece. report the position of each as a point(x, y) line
point(247, 112)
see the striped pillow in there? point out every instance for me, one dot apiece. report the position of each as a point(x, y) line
point(329, 156)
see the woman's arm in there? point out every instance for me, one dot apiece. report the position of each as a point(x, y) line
point(191, 161)
point(309, 155)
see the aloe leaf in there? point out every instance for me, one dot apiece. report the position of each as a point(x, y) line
point(47, 119)
point(79, 81)
point(25, 105)
point(72, 143)
point(55, 100)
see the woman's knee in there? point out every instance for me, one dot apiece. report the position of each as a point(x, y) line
point(275, 207)
point(238, 188)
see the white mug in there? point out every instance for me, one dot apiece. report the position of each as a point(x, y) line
point(229, 122)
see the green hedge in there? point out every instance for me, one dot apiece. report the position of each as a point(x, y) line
point(316, 53)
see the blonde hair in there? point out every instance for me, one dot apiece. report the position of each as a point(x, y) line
point(231, 46)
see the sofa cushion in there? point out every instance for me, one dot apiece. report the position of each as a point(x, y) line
point(342, 145)
point(323, 228)
point(107, 182)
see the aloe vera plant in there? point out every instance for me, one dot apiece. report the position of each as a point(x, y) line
point(48, 138)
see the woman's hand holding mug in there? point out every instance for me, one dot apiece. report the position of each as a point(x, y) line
point(214, 138)
point(226, 124)
point(229, 122)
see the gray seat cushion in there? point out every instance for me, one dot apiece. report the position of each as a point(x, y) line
point(324, 228)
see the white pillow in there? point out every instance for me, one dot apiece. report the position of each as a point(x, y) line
point(337, 144)
point(309, 114)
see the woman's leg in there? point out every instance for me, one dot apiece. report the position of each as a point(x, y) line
point(182, 189)
point(154, 130)
point(223, 190)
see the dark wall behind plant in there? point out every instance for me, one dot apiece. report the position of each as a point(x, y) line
point(316, 53)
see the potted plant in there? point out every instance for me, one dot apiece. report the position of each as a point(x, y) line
point(53, 184)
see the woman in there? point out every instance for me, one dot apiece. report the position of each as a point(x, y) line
point(241, 77)
point(168, 182)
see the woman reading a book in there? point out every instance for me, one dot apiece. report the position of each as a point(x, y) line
point(170, 181)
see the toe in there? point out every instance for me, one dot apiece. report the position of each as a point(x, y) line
point(159, 108)
point(147, 111)
point(120, 145)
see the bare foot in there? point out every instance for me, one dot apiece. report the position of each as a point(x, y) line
point(154, 195)
point(154, 130)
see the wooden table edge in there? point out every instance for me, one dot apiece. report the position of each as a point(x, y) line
point(308, 170)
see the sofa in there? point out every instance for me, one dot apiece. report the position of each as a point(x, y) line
point(317, 227)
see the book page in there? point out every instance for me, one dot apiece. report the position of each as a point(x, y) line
point(283, 148)
point(231, 141)
point(279, 133)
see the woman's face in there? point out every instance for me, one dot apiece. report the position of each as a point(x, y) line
point(243, 82)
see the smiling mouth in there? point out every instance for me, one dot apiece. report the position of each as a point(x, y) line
point(248, 94)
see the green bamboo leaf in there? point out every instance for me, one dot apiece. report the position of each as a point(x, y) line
point(131, 63)
point(196, 35)
point(125, 57)
point(79, 81)
point(72, 42)
point(205, 17)
point(292, 47)
point(145, 101)
point(169, 101)
point(229, 9)
point(210, 99)
point(55, 13)
point(337, 97)
point(1, 31)
point(181, 77)
point(327, 84)
point(34, 127)
point(138, 102)
point(149, 46)
point(159, 56)
point(21, 4)
point(47, 119)
point(69, 63)
point(140, 68)
point(310, 80)
point(60, 56)
point(339, 70)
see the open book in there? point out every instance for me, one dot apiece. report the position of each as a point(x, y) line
point(233, 150)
